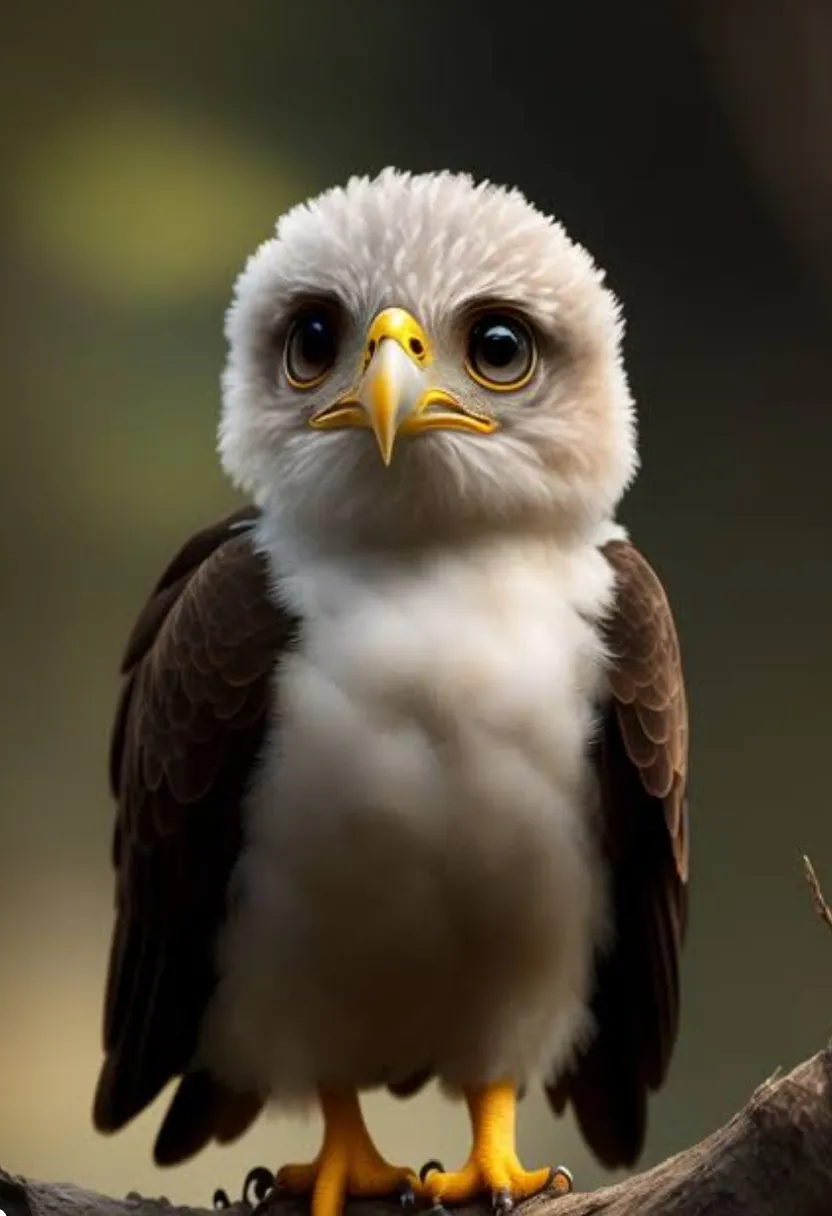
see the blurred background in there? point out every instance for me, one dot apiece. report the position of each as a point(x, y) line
point(145, 150)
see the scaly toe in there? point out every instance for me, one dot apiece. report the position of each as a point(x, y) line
point(298, 1179)
point(458, 1186)
point(359, 1179)
point(504, 1180)
point(385, 1180)
point(525, 1183)
point(339, 1175)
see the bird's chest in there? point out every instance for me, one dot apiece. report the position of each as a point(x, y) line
point(430, 720)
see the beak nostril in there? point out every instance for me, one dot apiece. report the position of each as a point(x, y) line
point(417, 347)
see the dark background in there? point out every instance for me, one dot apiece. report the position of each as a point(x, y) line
point(145, 149)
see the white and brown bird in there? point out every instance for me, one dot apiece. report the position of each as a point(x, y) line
point(400, 758)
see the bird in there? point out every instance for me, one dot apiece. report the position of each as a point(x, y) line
point(400, 759)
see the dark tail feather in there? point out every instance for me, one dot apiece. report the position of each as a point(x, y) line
point(202, 1110)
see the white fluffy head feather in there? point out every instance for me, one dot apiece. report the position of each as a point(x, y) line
point(436, 244)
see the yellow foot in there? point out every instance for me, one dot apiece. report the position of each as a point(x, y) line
point(348, 1165)
point(503, 1178)
point(493, 1167)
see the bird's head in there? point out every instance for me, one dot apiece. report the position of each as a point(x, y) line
point(415, 355)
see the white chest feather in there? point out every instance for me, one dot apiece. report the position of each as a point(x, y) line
point(419, 886)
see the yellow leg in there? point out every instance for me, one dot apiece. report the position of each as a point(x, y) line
point(493, 1166)
point(349, 1164)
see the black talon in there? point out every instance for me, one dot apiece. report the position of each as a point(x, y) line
point(220, 1199)
point(431, 1167)
point(262, 1182)
point(407, 1197)
point(501, 1202)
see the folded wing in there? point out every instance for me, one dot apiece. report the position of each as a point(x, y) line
point(641, 762)
point(190, 723)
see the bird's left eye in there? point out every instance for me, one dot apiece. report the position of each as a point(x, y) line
point(311, 347)
point(501, 352)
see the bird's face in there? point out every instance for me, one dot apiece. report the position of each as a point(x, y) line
point(413, 356)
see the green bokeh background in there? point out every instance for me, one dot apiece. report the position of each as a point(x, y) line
point(145, 150)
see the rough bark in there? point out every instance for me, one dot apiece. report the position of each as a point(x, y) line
point(775, 1156)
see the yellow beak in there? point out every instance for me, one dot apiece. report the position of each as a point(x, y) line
point(389, 390)
point(393, 395)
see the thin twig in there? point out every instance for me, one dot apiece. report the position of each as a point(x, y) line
point(821, 906)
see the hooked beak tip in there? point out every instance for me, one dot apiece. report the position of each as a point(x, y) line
point(386, 450)
point(390, 386)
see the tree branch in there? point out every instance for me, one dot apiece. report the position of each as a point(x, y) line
point(774, 1157)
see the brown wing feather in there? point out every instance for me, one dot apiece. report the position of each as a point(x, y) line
point(641, 759)
point(190, 721)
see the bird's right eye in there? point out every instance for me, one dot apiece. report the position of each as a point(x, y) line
point(311, 347)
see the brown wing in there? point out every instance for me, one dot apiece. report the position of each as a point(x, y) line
point(189, 725)
point(641, 760)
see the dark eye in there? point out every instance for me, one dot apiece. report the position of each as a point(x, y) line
point(311, 347)
point(501, 352)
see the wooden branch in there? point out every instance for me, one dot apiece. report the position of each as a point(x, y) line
point(773, 1159)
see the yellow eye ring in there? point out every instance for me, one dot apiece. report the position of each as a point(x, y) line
point(311, 347)
point(501, 353)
